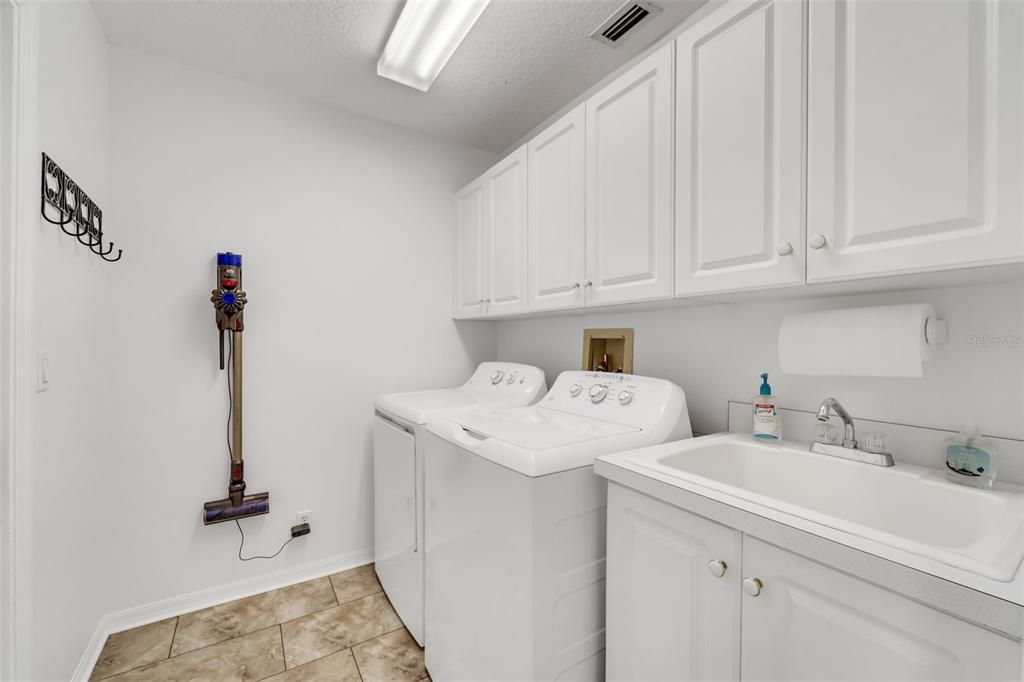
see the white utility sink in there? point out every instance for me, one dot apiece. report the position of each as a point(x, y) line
point(913, 510)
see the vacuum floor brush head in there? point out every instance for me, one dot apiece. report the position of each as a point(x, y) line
point(220, 511)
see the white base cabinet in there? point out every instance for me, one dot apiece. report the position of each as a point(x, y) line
point(771, 615)
point(673, 603)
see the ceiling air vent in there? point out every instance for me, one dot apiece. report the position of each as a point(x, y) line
point(618, 25)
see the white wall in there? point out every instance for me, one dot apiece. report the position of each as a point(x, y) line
point(344, 225)
point(70, 292)
point(717, 352)
point(345, 228)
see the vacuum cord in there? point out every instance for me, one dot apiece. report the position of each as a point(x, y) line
point(231, 408)
point(258, 556)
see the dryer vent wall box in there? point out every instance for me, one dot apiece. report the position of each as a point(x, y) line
point(398, 471)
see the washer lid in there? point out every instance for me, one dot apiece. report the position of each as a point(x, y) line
point(533, 428)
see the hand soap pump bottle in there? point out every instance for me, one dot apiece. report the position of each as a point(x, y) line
point(767, 420)
point(970, 458)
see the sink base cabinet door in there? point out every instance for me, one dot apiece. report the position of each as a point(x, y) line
point(810, 622)
point(668, 616)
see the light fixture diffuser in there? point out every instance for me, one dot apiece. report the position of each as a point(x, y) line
point(425, 37)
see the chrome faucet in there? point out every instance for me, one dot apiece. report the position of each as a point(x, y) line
point(849, 449)
point(830, 405)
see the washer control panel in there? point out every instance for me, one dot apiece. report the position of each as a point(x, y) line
point(600, 387)
point(621, 398)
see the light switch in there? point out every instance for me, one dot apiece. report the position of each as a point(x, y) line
point(42, 371)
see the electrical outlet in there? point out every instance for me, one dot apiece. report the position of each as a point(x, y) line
point(304, 517)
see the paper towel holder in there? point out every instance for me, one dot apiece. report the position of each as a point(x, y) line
point(936, 332)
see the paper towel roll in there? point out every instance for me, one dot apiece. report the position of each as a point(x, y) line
point(881, 341)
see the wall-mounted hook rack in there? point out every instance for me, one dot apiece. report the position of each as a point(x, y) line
point(75, 207)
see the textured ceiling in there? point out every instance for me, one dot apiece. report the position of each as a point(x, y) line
point(522, 62)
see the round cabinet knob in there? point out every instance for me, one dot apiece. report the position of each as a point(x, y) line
point(752, 586)
point(818, 241)
point(575, 390)
point(717, 567)
point(511, 379)
point(598, 393)
point(575, 285)
point(784, 249)
point(625, 397)
point(588, 283)
point(496, 377)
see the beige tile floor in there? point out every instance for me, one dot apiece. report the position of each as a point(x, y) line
point(341, 627)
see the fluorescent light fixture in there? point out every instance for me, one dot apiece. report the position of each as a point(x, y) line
point(426, 36)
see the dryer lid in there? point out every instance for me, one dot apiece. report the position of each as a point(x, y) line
point(418, 407)
point(533, 428)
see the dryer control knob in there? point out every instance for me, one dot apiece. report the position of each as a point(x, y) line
point(625, 397)
point(575, 390)
point(496, 377)
point(598, 393)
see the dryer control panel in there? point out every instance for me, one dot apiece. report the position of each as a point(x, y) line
point(493, 381)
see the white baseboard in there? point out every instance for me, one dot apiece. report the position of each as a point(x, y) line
point(186, 603)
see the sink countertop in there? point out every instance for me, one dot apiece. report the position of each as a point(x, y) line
point(951, 565)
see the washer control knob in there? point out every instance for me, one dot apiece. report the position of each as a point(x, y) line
point(575, 390)
point(625, 397)
point(511, 379)
point(496, 377)
point(598, 393)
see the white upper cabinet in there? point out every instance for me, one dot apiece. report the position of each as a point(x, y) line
point(916, 132)
point(505, 243)
point(556, 214)
point(470, 219)
point(629, 184)
point(739, 148)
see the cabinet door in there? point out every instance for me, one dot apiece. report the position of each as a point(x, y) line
point(470, 220)
point(916, 136)
point(810, 622)
point(668, 616)
point(739, 149)
point(557, 216)
point(629, 184)
point(505, 246)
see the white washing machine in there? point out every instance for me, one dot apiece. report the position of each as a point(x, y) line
point(398, 471)
point(515, 526)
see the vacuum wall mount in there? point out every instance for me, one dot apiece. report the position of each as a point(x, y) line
point(229, 302)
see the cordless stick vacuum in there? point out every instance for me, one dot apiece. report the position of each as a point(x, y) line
point(228, 301)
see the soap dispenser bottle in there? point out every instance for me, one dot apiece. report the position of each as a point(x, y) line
point(767, 420)
point(970, 458)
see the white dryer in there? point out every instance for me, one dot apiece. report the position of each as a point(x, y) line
point(398, 471)
point(516, 526)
